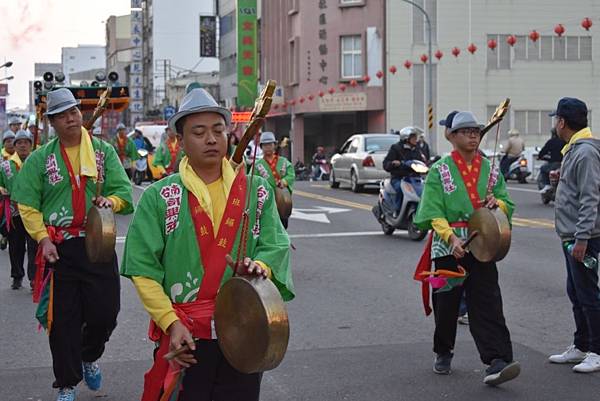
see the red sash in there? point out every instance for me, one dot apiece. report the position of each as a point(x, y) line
point(273, 165)
point(121, 145)
point(469, 177)
point(56, 233)
point(173, 151)
point(162, 379)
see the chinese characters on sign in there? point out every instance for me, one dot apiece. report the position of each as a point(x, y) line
point(246, 53)
point(323, 51)
point(136, 68)
point(343, 102)
point(208, 36)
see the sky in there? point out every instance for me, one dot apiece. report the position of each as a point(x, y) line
point(35, 31)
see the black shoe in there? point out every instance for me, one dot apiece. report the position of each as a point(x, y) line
point(17, 283)
point(500, 371)
point(442, 364)
point(3, 243)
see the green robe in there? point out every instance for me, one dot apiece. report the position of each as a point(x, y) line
point(170, 255)
point(284, 168)
point(8, 176)
point(131, 153)
point(162, 156)
point(43, 183)
point(445, 196)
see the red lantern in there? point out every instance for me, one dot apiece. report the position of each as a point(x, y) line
point(331, 91)
point(393, 69)
point(379, 74)
point(321, 94)
point(311, 97)
point(342, 87)
point(367, 78)
point(284, 105)
point(559, 30)
point(293, 102)
point(455, 51)
point(511, 40)
point(492, 44)
point(424, 58)
point(534, 36)
point(275, 106)
point(353, 83)
point(472, 48)
point(586, 23)
point(438, 54)
point(302, 100)
point(407, 64)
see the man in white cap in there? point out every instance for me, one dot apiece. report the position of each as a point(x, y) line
point(126, 149)
point(455, 187)
point(276, 169)
point(18, 238)
point(512, 149)
point(8, 146)
point(178, 250)
point(54, 190)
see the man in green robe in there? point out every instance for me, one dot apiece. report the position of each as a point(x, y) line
point(276, 169)
point(178, 250)
point(455, 187)
point(126, 149)
point(20, 242)
point(54, 189)
point(169, 153)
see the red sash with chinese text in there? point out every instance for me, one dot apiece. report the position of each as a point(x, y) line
point(162, 380)
point(469, 177)
point(273, 165)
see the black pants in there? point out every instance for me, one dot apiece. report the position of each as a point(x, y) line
point(20, 242)
point(484, 304)
point(284, 222)
point(214, 379)
point(86, 304)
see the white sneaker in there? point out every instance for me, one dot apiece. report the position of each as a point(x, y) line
point(591, 363)
point(545, 189)
point(571, 355)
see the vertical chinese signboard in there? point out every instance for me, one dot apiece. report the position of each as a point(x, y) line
point(136, 68)
point(247, 63)
point(208, 36)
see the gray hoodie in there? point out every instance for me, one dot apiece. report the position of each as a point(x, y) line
point(578, 193)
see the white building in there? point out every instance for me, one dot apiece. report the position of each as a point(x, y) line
point(171, 45)
point(82, 58)
point(534, 75)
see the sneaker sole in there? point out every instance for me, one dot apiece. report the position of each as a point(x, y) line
point(510, 372)
point(570, 361)
point(592, 370)
point(442, 372)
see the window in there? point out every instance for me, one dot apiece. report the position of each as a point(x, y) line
point(354, 145)
point(227, 23)
point(93, 57)
point(499, 58)
point(419, 24)
point(380, 144)
point(351, 56)
point(293, 6)
point(294, 61)
point(352, 2)
point(554, 48)
point(533, 122)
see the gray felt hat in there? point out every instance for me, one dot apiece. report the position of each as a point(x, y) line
point(465, 119)
point(267, 137)
point(60, 100)
point(22, 134)
point(198, 101)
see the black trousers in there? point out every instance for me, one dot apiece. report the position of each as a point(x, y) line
point(214, 379)
point(285, 222)
point(484, 304)
point(20, 242)
point(86, 304)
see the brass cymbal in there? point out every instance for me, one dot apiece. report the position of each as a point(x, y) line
point(100, 234)
point(283, 199)
point(492, 242)
point(252, 324)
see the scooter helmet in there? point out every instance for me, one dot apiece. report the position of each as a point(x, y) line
point(407, 132)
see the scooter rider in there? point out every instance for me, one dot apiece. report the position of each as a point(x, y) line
point(551, 152)
point(317, 160)
point(514, 147)
point(405, 149)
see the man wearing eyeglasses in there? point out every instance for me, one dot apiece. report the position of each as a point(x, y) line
point(455, 187)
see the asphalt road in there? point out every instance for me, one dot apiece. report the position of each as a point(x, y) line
point(357, 327)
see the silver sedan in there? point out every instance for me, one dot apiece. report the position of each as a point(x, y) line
point(359, 161)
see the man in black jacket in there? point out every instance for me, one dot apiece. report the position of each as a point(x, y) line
point(551, 152)
point(405, 149)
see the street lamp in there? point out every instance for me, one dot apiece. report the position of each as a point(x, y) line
point(7, 78)
point(430, 131)
point(7, 64)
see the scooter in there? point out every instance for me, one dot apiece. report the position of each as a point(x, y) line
point(141, 167)
point(412, 189)
point(321, 170)
point(301, 171)
point(548, 193)
point(518, 170)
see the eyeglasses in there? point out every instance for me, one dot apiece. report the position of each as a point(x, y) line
point(469, 131)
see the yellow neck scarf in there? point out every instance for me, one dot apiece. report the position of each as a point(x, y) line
point(15, 157)
point(87, 156)
point(199, 189)
point(585, 133)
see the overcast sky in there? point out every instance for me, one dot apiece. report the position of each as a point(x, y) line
point(35, 30)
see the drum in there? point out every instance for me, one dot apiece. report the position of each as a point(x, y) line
point(492, 242)
point(100, 235)
point(252, 324)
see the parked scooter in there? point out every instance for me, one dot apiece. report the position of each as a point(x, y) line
point(518, 170)
point(141, 167)
point(321, 170)
point(548, 192)
point(412, 188)
point(302, 173)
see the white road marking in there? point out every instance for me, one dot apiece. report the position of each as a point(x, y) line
point(348, 234)
point(535, 191)
point(318, 214)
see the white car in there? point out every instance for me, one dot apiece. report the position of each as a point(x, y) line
point(359, 161)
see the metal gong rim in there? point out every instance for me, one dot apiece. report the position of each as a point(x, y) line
point(283, 199)
point(493, 234)
point(100, 235)
point(251, 324)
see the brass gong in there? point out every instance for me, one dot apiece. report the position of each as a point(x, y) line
point(493, 234)
point(283, 199)
point(100, 234)
point(252, 324)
